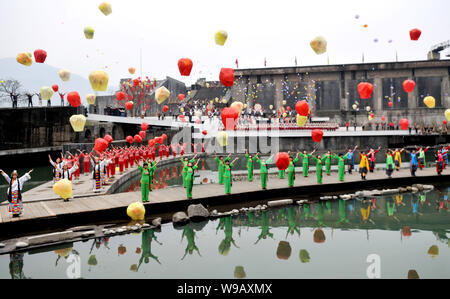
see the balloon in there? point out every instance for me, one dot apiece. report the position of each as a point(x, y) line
point(63, 188)
point(319, 45)
point(64, 75)
point(404, 124)
point(415, 34)
point(74, 99)
point(90, 98)
point(144, 126)
point(136, 211)
point(302, 108)
point(222, 138)
point(221, 37)
point(447, 114)
point(40, 56)
point(365, 90)
point(105, 8)
point(130, 139)
point(55, 88)
point(282, 161)
point(46, 93)
point(120, 96)
point(138, 138)
point(142, 134)
point(185, 66)
point(238, 106)
point(229, 118)
point(100, 145)
point(430, 102)
point(181, 97)
point(317, 135)
point(301, 120)
point(204, 132)
point(408, 85)
point(132, 70)
point(227, 77)
point(390, 104)
point(129, 105)
point(108, 138)
point(77, 122)
point(99, 80)
point(24, 58)
point(284, 250)
point(165, 108)
point(162, 94)
point(89, 32)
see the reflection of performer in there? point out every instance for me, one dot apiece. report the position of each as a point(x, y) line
point(292, 223)
point(365, 211)
point(225, 245)
point(147, 238)
point(264, 227)
point(190, 236)
point(342, 212)
point(390, 206)
point(16, 266)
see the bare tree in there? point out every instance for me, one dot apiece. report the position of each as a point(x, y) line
point(10, 89)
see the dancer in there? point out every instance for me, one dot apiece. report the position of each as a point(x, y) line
point(56, 168)
point(439, 162)
point(263, 171)
point(291, 170)
point(398, 158)
point(363, 165)
point(319, 168)
point(96, 174)
point(305, 161)
point(227, 176)
point(190, 178)
point(185, 162)
point(145, 181)
point(152, 169)
point(327, 158)
point(341, 165)
point(351, 159)
point(86, 161)
point(372, 160)
point(422, 162)
point(221, 166)
point(389, 163)
point(15, 191)
point(250, 166)
point(414, 164)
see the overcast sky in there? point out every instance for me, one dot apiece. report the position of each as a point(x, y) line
point(167, 30)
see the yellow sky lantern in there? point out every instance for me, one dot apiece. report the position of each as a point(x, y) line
point(136, 211)
point(99, 80)
point(430, 102)
point(63, 188)
point(78, 122)
point(319, 45)
point(222, 138)
point(221, 37)
point(162, 94)
point(46, 93)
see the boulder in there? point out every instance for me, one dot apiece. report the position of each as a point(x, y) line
point(428, 187)
point(21, 244)
point(197, 211)
point(278, 203)
point(2, 245)
point(180, 217)
point(409, 188)
point(414, 190)
point(402, 190)
point(157, 222)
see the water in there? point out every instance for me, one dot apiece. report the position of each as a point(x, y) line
point(39, 176)
point(319, 240)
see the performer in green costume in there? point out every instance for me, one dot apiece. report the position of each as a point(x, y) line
point(145, 181)
point(185, 162)
point(291, 170)
point(319, 168)
point(152, 170)
point(389, 163)
point(190, 178)
point(263, 171)
point(250, 166)
point(341, 165)
point(221, 166)
point(305, 161)
point(327, 158)
point(227, 177)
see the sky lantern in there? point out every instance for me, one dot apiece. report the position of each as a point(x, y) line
point(105, 8)
point(64, 75)
point(63, 188)
point(165, 108)
point(302, 108)
point(390, 104)
point(301, 120)
point(185, 66)
point(144, 126)
point(99, 80)
point(430, 102)
point(101, 145)
point(151, 142)
point(74, 99)
point(181, 96)
point(142, 134)
point(78, 122)
point(319, 45)
point(408, 85)
point(55, 88)
point(238, 106)
point(129, 105)
point(282, 161)
point(415, 34)
point(317, 135)
point(136, 211)
point(132, 70)
point(130, 139)
point(204, 132)
point(444, 122)
point(89, 32)
point(24, 58)
point(90, 98)
point(226, 77)
point(229, 118)
point(120, 96)
point(383, 118)
point(108, 138)
point(447, 114)
point(365, 90)
point(162, 94)
point(40, 56)
point(222, 138)
point(404, 124)
point(46, 93)
point(221, 37)
point(164, 137)
point(137, 138)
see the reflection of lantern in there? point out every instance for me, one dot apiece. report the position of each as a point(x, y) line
point(89, 32)
point(122, 250)
point(46, 93)
point(430, 102)
point(162, 94)
point(365, 90)
point(406, 231)
point(412, 274)
point(185, 66)
point(317, 135)
point(221, 37)
point(282, 161)
point(239, 272)
point(40, 56)
point(284, 250)
point(105, 8)
point(78, 122)
point(433, 251)
point(74, 99)
point(222, 138)
point(304, 256)
point(24, 58)
point(92, 261)
point(319, 236)
point(227, 77)
point(99, 80)
point(64, 252)
point(63, 188)
point(64, 75)
point(90, 98)
point(136, 211)
point(408, 85)
point(319, 45)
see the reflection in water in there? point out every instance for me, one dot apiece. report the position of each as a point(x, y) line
point(315, 231)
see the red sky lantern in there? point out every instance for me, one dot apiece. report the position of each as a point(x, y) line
point(383, 118)
point(120, 96)
point(151, 142)
point(204, 132)
point(444, 122)
point(365, 90)
point(415, 34)
point(74, 99)
point(404, 124)
point(185, 66)
point(144, 126)
point(136, 82)
point(101, 145)
point(282, 161)
point(129, 105)
point(302, 108)
point(164, 137)
point(288, 108)
point(55, 88)
point(227, 77)
point(142, 134)
point(138, 138)
point(229, 118)
point(159, 140)
point(390, 104)
point(408, 85)
point(198, 121)
point(317, 135)
point(130, 140)
point(40, 56)
point(165, 108)
point(181, 96)
point(372, 115)
point(108, 138)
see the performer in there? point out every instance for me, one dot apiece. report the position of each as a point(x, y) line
point(305, 161)
point(422, 162)
point(414, 164)
point(372, 160)
point(351, 159)
point(145, 181)
point(250, 165)
point(398, 158)
point(291, 170)
point(363, 165)
point(190, 178)
point(341, 166)
point(227, 177)
point(96, 174)
point(221, 166)
point(327, 158)
point(86, 161)
point(319, 168)
point(185, 161)
point(56, 168)
point(15, 191)
point(263, 171)
point(67, 173)
point(439, 162)
point(389, 163)
point(76, 160)
point(152, 169)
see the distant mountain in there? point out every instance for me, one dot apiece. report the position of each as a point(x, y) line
point(37, 75)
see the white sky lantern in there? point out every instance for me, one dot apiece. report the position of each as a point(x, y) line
point(64, 75)
point(161, 95)
point(78, 122)
point(46, 93)
point(99, 80)
point(63, 188)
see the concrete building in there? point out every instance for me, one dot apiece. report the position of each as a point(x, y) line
point(331, 90)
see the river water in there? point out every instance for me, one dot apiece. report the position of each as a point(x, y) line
point(398, 236)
